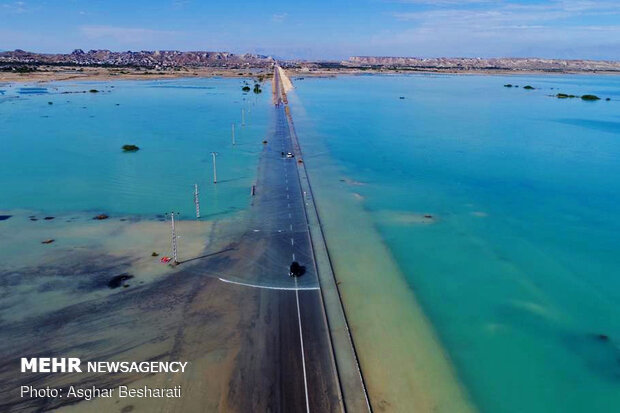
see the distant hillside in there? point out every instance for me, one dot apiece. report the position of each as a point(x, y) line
point(171, 59)
point(148, 59)
point(458, 64)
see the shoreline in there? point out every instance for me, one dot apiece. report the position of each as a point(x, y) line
point(65, 73)
point(297, 73)
point(56, 74)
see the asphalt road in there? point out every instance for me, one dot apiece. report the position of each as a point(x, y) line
point(286, 361)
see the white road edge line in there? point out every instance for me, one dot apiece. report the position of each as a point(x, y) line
point(303, 357)
point(267, 287)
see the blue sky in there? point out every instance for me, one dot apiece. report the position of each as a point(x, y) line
point(320, 29)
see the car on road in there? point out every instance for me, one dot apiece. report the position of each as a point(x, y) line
point(296, 270)
point(290, 155)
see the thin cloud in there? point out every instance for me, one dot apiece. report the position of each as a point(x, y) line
point(595, 42)
point(505, 28)
point(493, 18)
point(510, 12)
point(17, 7)
point(279, 17)
point(444, 2)
point(179, 4)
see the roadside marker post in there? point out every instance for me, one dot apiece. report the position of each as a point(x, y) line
point(214, 154)
point(175, 255)
point(196, 201)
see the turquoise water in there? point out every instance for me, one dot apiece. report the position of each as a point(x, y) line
point(61, 148)
point(518, 267)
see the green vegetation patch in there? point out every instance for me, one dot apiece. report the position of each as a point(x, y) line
point(590, 97)
point(130, 148)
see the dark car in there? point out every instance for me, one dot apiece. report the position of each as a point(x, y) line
point(296, 270)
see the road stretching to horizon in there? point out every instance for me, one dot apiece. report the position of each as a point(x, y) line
point(290, 362)
point(296, 365)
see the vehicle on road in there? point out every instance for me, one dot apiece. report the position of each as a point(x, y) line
point(296, 270)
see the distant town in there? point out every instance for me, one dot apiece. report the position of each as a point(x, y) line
point(147, 59)
point(20, 61)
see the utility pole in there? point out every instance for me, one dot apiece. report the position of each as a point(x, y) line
point(196, 201)
point(175, 255)
point(214, 168)
point(233, 134)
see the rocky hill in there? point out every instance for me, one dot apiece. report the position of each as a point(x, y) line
point(172, 59)
point(463, 64)
point(147, 59)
